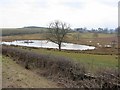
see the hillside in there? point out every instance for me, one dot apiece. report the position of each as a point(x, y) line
point(22, 31)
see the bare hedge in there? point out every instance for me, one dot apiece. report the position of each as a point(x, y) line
point(63, 70)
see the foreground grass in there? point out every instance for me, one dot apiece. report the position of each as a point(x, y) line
point(18, 77)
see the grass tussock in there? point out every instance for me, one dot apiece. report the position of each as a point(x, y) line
point(64, 71)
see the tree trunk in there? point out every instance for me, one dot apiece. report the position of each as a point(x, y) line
point(59, 47)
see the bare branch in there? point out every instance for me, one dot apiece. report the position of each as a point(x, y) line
point(57, 31)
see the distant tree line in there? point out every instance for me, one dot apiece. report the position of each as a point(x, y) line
point(99, 30)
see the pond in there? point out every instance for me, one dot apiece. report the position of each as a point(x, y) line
point(48, 44)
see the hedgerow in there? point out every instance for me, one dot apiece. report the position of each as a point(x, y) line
point(63, 70)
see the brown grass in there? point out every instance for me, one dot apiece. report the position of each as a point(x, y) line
point(15, 76)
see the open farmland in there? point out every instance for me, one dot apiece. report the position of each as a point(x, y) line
point(89, 39)
point(39, 34)
point(99, 56)
point(67, 68)
point(61, 44)
point(91, 60)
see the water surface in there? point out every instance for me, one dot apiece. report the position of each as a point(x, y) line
point(48, 44)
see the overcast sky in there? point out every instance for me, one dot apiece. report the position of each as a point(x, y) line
point(78, 13)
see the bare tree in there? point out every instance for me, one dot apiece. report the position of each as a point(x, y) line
point(57, 32)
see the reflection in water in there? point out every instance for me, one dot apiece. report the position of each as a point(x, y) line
point(48, 44)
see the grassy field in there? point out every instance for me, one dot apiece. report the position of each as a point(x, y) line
point(85, 38)
point(90, 35)
point(24, 37)
point(103, 60)
point(93, 62)
point(89, 39)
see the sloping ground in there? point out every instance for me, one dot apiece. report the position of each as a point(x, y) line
point(17, 77)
